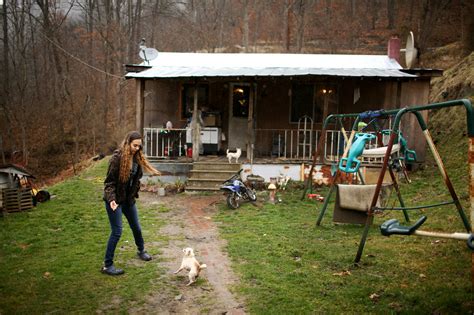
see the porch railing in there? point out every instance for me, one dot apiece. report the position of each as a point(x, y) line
point(290, 144)
point(164, 143)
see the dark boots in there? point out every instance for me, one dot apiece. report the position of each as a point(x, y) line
point(112, 271)
point(143, 255)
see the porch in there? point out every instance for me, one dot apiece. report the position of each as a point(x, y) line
point(271, 146)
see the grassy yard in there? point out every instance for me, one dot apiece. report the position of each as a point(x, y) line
point(289, 265)
point(50, 257)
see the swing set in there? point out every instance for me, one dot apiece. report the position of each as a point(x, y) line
point(355, 149)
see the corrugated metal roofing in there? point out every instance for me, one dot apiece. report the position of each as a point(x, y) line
point(175, 65)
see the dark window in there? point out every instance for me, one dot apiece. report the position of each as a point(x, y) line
point(305, 103)
point(240, 100)
point(187, 98)
point(302, 101)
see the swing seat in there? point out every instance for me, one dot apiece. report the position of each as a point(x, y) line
point(470, 242)
point(353, 202)
point(351, 163)
point(393, 226)
point(410, 156)
point(379, 152)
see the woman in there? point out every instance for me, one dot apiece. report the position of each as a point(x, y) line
point(121, 188)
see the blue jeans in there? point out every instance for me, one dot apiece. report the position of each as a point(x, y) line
point(115, 219)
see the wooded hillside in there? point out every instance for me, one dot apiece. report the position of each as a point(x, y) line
point(64, 96)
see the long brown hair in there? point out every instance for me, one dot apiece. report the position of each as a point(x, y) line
point(127, 158)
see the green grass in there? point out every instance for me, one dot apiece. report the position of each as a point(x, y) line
point(289, 265)
point(50, 257)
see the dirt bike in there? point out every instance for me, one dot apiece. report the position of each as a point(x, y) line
point(236, 191)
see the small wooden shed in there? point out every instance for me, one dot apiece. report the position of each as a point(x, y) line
point(15, 188)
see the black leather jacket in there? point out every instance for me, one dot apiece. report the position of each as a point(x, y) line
point(114, 189)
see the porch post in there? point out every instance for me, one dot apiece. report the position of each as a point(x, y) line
point(250, 140)
point(196, 130)
point(326, 106)
point(140, 104)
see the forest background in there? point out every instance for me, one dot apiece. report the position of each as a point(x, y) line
point(64, 97)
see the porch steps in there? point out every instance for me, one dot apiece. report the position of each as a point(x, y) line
point(209, 176)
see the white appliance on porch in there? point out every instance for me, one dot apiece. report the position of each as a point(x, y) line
point(210, 138)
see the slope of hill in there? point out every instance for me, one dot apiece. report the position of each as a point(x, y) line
point(457, 82)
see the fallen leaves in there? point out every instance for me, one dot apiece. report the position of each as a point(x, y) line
point(342, 273)
point(374, 297)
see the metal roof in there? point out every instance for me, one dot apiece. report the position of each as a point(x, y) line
point(176, 65)
point(14, 169)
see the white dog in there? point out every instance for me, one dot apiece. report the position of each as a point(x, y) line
point(190, 263)
point(234, 155)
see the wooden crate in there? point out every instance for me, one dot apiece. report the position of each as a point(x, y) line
point(15, 199)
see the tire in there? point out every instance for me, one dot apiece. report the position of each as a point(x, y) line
point(232, 201)
point(251, 194)
point(42, 196)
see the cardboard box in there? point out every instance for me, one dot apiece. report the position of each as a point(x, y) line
point(211, 121)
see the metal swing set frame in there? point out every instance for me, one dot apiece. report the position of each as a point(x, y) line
point(394, 134)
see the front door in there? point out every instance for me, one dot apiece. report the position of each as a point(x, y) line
point(238, 115)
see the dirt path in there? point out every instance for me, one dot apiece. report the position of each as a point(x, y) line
point(190, 225)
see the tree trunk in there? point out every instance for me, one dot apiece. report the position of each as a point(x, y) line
point(467, 26)
point(374, 13)
point(245, 26)
point(432, 9)
point(256, 27)
point(6, 49)
point(391, 13)
point(286, 25)
point(301, 10)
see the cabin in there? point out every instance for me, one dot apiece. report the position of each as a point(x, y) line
point(271, 106)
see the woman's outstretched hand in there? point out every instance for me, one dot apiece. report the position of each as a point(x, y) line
point(113, 205)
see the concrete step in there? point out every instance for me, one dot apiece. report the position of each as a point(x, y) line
point(210, 174)
point(196, 188)
point(206, 182)
point(209, 166)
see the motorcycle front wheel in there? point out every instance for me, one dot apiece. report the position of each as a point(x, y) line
point(251, 194)
point(232, 201)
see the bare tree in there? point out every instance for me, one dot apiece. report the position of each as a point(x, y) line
point(391, 13)
point(286, 25)
point(432, 10)
point(300, 11)
point(245, 24)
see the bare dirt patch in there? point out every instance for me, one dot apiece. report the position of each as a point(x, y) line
point(190, 224)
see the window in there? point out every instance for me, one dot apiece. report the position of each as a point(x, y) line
point(302, 102)
point(187, 98)
point(240, 101)
point(305, 102)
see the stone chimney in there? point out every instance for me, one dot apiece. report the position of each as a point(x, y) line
point(393, 48)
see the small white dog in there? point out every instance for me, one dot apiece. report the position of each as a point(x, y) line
point(234, 155)
point(190, 263)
